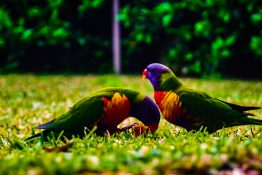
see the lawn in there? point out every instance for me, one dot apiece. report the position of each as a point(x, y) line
point(28, 100)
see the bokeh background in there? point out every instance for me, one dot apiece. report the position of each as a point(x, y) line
point(193, 37)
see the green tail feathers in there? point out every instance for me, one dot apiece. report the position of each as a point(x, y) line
point(252, 121)
point(32, 137)
point(41, 134)
point(48, 134)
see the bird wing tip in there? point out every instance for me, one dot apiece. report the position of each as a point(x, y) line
point(45, 125)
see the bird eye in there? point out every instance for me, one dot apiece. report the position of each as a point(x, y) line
point(149, 69)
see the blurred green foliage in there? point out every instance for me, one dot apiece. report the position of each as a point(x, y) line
point(191, 36)
point(171, 150)
point(198, 37)
point(57, 35)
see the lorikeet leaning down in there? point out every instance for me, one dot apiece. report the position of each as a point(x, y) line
point(105, 109)
point(190, 108)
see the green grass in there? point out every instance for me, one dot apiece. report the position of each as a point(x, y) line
point(28, 100)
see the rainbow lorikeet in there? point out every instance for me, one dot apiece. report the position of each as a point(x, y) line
point(105, 109)
point(192, 109)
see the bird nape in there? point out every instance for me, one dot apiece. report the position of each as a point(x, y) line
point(193, 109)
point(104, 109)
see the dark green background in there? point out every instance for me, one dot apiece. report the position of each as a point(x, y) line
point(194, 37)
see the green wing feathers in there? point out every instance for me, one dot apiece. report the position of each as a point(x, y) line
point(213, 112)
point(85, 113)
point(240, 108)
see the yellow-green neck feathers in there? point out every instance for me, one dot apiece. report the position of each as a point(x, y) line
point(168, 81)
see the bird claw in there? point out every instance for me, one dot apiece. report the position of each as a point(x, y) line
point(128, 127)
point(137, 129)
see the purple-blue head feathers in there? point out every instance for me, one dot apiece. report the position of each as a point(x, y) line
point(153, 72)
point(147, 112)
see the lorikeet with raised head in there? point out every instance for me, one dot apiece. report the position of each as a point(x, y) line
point(192, 109)
point(105, 109)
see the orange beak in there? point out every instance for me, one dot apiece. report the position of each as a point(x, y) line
point(144, 74)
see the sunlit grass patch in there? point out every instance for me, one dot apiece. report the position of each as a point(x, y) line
point(28, 100)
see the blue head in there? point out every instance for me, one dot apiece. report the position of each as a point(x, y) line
point(147, 112)
point(154, 73)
